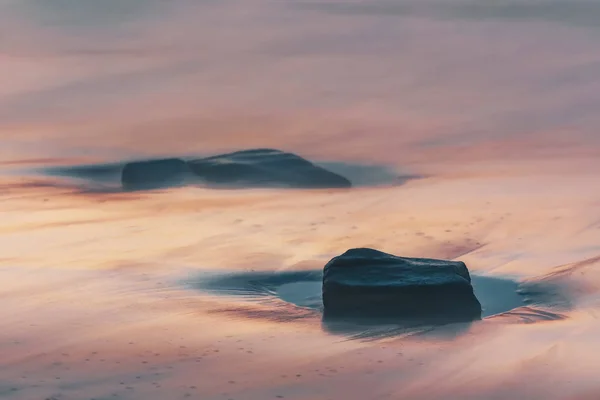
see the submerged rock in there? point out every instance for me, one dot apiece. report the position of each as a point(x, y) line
point(265, 168)
point(369, 283)
point(154, 174)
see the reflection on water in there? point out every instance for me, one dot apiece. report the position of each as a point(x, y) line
point(492, 106)
point(302, 288)
point(107, 177)
point(83, 14)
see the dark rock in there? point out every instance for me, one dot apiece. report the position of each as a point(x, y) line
point(369, 283)
point(154, 174)
point(265, 168)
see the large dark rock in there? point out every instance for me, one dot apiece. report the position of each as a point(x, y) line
point(369, 283)
point(154, 174)
point(241, 169)
point(265, 168)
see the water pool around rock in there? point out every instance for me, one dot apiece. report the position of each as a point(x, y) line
point(294, 295)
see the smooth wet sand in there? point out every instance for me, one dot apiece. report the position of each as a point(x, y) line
point(95, 307)
point(496, 114)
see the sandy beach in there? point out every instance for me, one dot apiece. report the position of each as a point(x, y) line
point(470, 132)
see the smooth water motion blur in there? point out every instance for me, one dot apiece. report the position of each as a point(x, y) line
point(468, 130)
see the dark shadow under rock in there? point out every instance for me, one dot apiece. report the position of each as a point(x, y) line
point(372, 284)
point(265, 168)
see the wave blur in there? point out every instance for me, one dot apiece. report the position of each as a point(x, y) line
point(470, 131)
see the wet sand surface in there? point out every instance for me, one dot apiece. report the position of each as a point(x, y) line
point(96, 303)
point(471, 132)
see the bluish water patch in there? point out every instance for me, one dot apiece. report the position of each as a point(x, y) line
point(294, 295)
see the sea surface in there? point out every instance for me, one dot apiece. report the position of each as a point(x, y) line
point(470, 129)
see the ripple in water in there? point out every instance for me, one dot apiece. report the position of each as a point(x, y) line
point(296, 296)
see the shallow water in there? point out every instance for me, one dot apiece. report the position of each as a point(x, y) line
point(496, 295)
point(470, 129)
point(296, 295)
